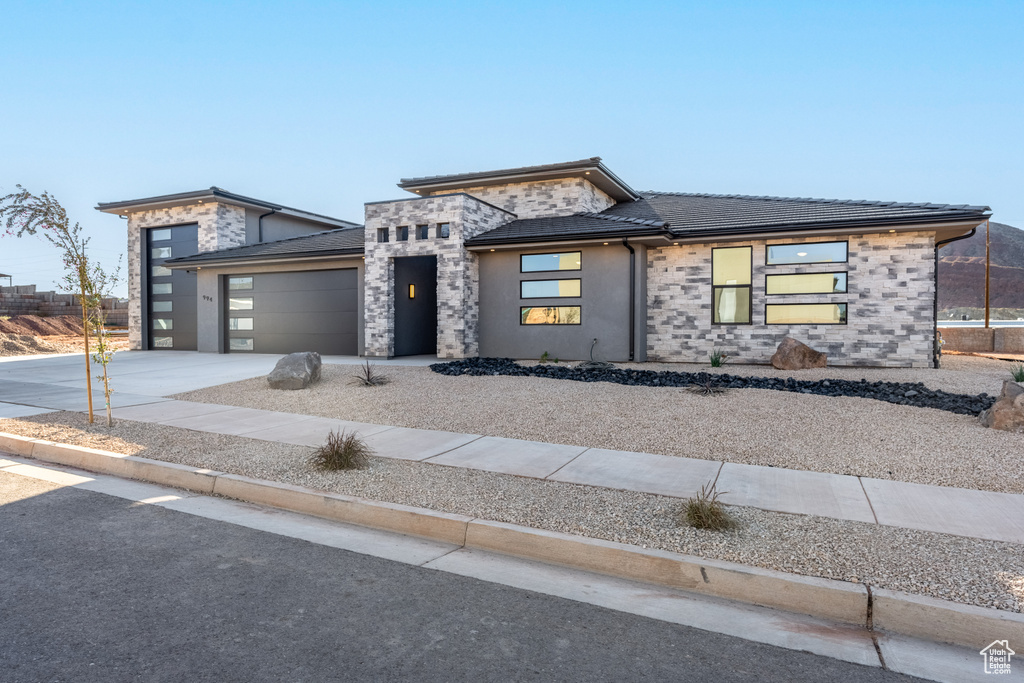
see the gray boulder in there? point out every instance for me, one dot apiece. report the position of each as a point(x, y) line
point(794, 355)
point(296, 371)
point(1007, 413)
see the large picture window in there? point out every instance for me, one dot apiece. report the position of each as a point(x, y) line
point(549, 315)
point(813, 252)
point(730, 285)
point(805, 314)
point(549, 289)
point(539, 263)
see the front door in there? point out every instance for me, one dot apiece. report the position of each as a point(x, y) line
point(415, 305)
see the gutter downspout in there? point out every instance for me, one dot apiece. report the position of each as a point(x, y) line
point(259, 236)
point(632, 296)
point(935, 303)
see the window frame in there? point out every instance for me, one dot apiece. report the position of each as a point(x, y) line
point(552, 253)
point(402, 233)
point(837, 272)
point(749, 287)
point(846, 317)
point(444, 231)
point(522, 324)
point(768, 246)
point(423, 231)
point(522, 295)
point(383, 235)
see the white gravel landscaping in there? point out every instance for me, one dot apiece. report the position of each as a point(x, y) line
point(984, 573)
point(842, 435)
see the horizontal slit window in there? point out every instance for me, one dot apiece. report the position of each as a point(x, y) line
point(239, 283)
point(240, 344)
point(240, 323)
point(539, 263)
point(163, 324)
point(161, 252)
point(805, 314)
point(162, 288)
point(549, 315)
point(806, 283)
point(816, 252)
point(549, 289)
point(160, 234)
point(161, 271)
point(240, 303)
point(163, 342)
point(163, 306)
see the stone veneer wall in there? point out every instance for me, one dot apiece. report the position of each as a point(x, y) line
point(458, 271)
point(538, 199)
point(890, 314)
point(220, 226)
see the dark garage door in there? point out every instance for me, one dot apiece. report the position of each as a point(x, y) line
point(288, 312)
point(171, 294)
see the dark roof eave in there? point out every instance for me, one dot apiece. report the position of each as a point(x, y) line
point(184, 261)
point(566, 237)
point(834, 225)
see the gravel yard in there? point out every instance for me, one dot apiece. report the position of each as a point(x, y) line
point(842, 435)
point(984, 573)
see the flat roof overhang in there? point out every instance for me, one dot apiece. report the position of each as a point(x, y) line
point(215, 194)
point(592, 170)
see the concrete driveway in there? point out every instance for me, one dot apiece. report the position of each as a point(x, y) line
point(35, 384)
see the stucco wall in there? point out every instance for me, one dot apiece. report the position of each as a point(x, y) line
point(891, 294)
point(220, 226)
point(544, 197)
point(458, 274)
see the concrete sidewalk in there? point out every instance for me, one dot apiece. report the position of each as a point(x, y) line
point(143, 379)
point(962, 512)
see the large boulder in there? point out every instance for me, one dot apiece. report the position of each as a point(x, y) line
point(1007, 413)
point(793, 355)
point(296, 371)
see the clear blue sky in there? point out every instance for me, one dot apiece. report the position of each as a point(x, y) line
point(325, 105)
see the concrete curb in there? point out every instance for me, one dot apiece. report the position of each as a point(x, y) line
point(894, 612)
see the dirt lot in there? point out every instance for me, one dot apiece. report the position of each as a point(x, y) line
point(841, 435)
point(22, 335)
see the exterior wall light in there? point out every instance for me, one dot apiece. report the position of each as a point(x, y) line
point(412, 291)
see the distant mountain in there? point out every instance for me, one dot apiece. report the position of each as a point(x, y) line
point(962, 270)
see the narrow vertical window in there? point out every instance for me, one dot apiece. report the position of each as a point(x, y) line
point(730, 285)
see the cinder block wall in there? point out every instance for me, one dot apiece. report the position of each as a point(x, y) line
point(458, 271)
point(890, 300)
point(983, 340)
point(220, 226)
point(25, 300)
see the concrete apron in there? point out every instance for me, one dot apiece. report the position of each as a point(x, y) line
point(855, 605)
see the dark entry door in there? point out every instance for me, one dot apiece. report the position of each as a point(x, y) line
point(171, 294)
point(289, 312)
point(415, 305)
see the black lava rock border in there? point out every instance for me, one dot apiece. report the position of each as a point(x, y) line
point(900, 393)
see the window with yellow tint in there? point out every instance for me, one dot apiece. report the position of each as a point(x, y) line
point(549, 289)
point(730, 290)
point(805, 314)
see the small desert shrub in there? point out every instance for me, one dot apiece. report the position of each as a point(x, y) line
point(718, 358)
point(342, 451)
point(709, 387)
point(705, 511)
point(1018, 372)
point(369, 377)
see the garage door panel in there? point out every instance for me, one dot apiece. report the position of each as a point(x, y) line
point(306, 302)
point(324, 344)
point(299, 311)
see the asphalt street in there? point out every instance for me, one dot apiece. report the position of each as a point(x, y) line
point(97, 588)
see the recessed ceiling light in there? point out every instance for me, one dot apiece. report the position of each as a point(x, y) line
point(606, 244)
point(675, 244)
point(892, 231)
point(588, 173)
point(492, 250)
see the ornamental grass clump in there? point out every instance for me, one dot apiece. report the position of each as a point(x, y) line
point(718, 358)
point(1018, 372)
point(342, 451)
point(369, 377)
point(705, 511)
